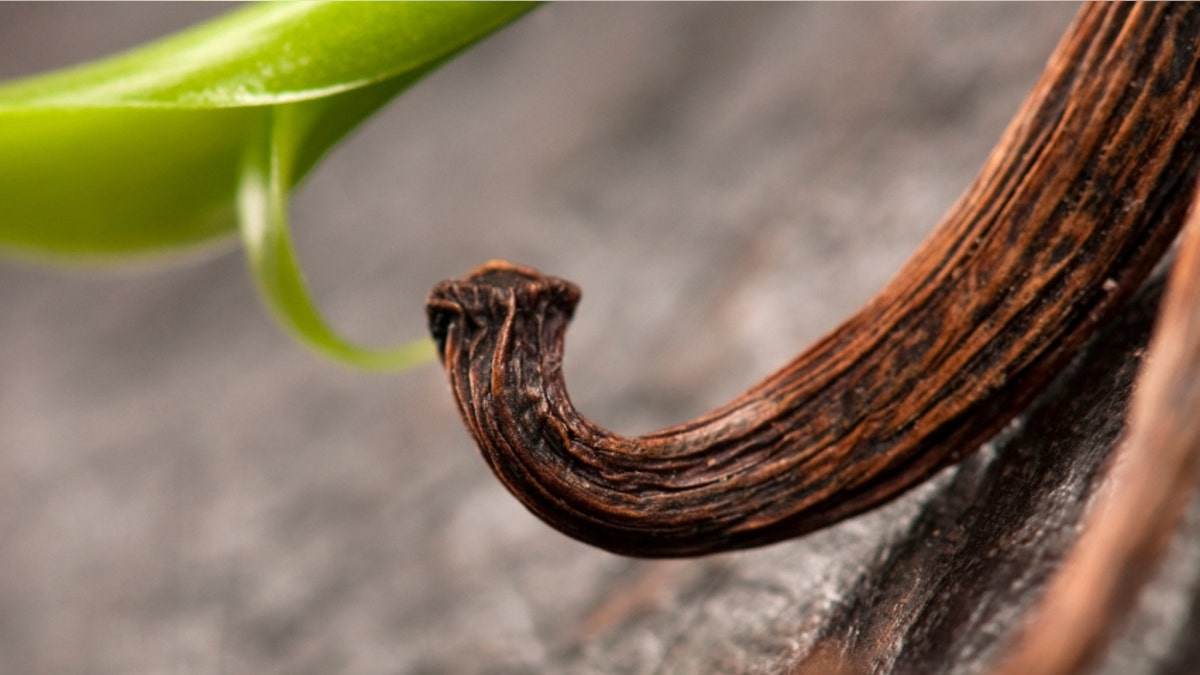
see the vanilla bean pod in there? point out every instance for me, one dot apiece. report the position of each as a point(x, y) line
point(1083, 194)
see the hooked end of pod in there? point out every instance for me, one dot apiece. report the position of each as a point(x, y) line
point(489, 295)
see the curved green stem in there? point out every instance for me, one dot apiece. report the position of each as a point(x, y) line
point(263, 224)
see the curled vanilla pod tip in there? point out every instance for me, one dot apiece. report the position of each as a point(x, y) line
point(1043, 246)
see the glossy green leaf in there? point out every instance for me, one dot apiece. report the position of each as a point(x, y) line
point(268, 54)
point(155, 151)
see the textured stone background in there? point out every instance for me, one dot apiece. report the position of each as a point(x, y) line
point(185, 490)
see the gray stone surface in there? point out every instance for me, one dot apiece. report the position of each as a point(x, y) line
point(185, 490)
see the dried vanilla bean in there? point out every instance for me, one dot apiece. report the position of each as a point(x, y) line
point(1083, 194)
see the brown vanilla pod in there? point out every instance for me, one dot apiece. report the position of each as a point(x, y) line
point(1082, 196)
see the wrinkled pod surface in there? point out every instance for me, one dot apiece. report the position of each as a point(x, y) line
point(1084, 193)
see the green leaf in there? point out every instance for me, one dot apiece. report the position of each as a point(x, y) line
point(163, 149)
point(268, 54)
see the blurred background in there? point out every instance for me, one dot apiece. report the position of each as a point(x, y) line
point(183, 489)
